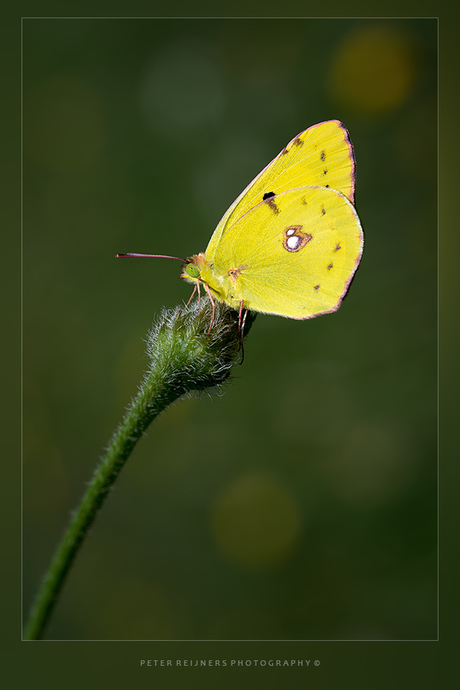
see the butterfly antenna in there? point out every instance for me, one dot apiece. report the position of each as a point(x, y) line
point(149, 256)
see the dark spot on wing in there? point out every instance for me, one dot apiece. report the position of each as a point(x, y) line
point(324, 172)
point(268, 195)
point(272, 205)
point(317, 287)
point(323, 211)
point(330, 266)
point(337, 248)
point(298, 142)
point(326, 185)
point(323, 156)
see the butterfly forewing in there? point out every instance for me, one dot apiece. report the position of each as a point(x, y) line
point(321, 155)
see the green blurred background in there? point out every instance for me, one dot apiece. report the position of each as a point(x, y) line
point(300, 505)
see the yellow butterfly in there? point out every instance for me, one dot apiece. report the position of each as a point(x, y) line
point(292, 241)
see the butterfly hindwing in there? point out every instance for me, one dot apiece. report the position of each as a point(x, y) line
point(293, 254)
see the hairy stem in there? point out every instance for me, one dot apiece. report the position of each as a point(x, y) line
point(184, 358)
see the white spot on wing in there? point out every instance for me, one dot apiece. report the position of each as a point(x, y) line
point(293, 242)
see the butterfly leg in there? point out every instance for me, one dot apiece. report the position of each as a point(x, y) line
point(241, 323)
point(239, 316)
point(191, 297)
point(199, 296)
point(213, 305)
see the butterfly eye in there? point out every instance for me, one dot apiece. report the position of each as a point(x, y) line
point(192, 271)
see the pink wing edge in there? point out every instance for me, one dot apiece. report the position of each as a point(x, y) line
point(351, 151)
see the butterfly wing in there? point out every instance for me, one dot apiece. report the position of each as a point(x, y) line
point(321, 155)
point(293, 255)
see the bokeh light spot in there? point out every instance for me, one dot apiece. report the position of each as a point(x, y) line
point(182, 89)
point(373, 70)
point(256, 521)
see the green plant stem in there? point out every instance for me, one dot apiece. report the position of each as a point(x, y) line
point(135, 422)
point(184, 358)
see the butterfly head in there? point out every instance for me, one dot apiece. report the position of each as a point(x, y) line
point(193, 267)
point(197, 270)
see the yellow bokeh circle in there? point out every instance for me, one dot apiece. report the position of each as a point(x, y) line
point(373, 70)
point(256, 521)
